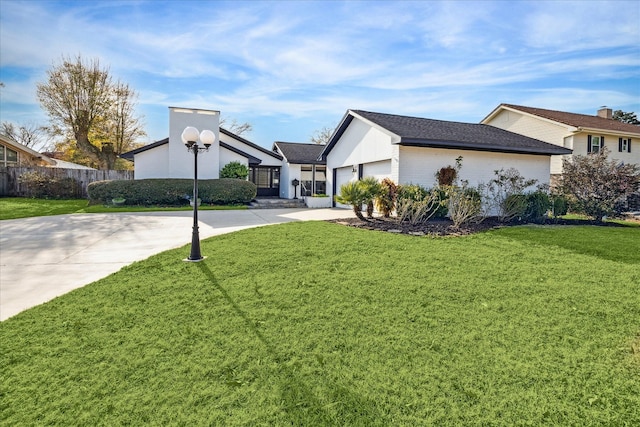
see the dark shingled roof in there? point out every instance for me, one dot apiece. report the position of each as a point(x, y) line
point(577, 120)
point(252, 160)
point(129, 154)
point(300, 153)
point(420, 132)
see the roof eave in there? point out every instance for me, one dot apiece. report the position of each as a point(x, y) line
point(457, 145)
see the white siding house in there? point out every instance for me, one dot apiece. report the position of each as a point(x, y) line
point(580, 133)
point(411, 150)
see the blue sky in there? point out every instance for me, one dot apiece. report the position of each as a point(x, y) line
point(292, 67)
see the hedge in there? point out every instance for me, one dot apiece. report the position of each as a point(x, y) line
point(172, 192)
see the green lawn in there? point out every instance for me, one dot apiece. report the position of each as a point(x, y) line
point(317, 324)
point(19, 207)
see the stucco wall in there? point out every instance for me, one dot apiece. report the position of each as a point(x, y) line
point(180, 160)
point(228, 156)
point(419, 165)
point(153, 163)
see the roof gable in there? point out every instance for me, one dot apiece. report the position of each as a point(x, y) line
point(572, 119)
point(299, 153)
point(421, 132)
point(129, 155)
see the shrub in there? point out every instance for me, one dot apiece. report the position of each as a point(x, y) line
point(598, 184)
point(372, 189)
point(560, 205)
point(172, 191)
point(354, 194)
point(503, 194)
point(416, 204)
point(465, 205)
point(538, 204)
point(386, 200)
point(42, 186)
point(234, 170)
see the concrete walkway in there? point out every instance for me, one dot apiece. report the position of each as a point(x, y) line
point(44, 257)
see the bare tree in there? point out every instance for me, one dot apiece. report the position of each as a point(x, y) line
point(30, 135)
point(235, 127)
point(84, 103)
point(322, 136)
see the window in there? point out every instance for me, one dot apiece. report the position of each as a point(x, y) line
point(8, 157)
point(594, 143)
point(313, 180)
point(306, 180)
point(624, 145)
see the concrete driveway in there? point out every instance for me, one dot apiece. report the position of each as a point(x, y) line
point(44, 257)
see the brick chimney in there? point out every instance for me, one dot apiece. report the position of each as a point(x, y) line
point(605, 113)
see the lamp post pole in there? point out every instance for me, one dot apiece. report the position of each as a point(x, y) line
point(190, 137)
point(195, 234)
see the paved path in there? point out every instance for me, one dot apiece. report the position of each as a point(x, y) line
point(44, 257)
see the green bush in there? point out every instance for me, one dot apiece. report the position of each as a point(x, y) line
point(234, 170)
point(560, 205)
point(538, 204)
point(418, 204)
point(41, 186)
point(172, 191)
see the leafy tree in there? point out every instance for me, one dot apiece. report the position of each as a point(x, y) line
point(87, 107)
point(29, 135)
point(234, 170)
point(322, 136)
point(353, 193)
point(596, 183)
point(623, 117)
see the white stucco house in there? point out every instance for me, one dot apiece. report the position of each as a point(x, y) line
point(301, 162)
point(168, 158)
point(412, 149)
point(580, 133)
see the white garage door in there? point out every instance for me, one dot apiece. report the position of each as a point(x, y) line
point(344, 175)
point(378, 170)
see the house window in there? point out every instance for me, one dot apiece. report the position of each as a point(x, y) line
point(8, 157)
point(306, 180)
point(624, 145)
point(313, 180)
point(595, 143)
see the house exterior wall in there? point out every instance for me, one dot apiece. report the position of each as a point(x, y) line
point(580, 146)
point(267, 160)
point(228, 156)
point(547, 131)
point(564, 136)
point(360, 144)
point(180, 160)
point(418, 165)
point(153, 163)
point(288, 173)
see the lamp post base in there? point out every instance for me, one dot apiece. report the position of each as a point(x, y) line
point(194, 260)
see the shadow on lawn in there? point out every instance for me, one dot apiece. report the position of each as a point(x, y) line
point(300, 403)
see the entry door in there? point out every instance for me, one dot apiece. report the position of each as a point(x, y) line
point(267, 179)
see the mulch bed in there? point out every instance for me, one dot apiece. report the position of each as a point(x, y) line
point(444, 227)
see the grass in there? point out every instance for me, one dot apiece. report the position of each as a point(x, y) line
point(18, 207)
point(319, 324)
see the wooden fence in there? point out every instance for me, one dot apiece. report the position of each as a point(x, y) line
point(10, 178)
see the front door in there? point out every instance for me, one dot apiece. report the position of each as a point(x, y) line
point(267, 179)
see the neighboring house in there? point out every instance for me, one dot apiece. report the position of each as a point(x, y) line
point(169, 158)
point(13, 153)
point(300, 162)
point(580, 133)
point(411, 150)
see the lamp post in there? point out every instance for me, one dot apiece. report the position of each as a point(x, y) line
point(190, 137)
